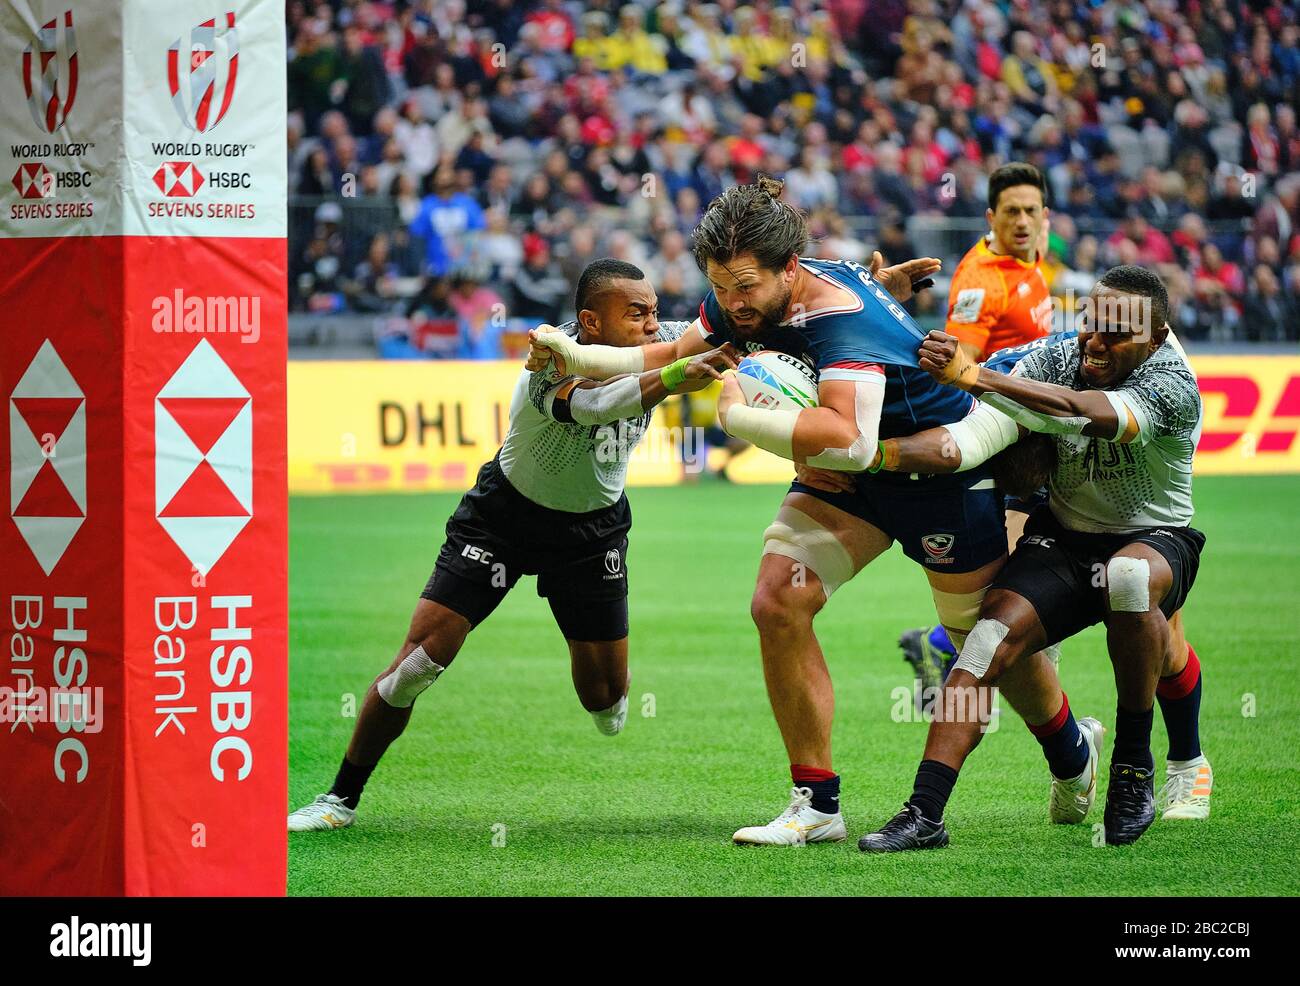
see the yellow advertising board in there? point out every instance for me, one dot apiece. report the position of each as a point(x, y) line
point(412, 426)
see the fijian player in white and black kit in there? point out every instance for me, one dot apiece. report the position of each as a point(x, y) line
point(1113, 545)
point(551, 504)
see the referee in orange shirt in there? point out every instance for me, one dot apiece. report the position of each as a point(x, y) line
point(998, 299)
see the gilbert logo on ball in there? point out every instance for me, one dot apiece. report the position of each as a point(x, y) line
point(47, 455)
point(770, 379)
point(203, 457)
point(201, 74)
point(50, 73)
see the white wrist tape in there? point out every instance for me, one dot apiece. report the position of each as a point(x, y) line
point(1047, 424)
point(770, 429)
point(596, 362)
point(1121, 414)
point(982, 434)
point(868, 402)
point(603, 405)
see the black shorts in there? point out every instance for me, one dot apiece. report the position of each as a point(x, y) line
point(498, 535)
point(1061, 571)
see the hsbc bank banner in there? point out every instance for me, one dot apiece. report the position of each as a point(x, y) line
point(143, 701)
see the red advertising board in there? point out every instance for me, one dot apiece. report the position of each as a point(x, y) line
point(143, 563)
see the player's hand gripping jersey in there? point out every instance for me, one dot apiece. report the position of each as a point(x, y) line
point(997, 301)
point(870, 335)
point(563, 465)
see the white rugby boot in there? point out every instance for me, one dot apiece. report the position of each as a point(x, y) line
point(1186, 794)
point(798, 825)
point(1071, 799)
point(327, 812)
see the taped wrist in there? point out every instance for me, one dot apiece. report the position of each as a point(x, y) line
point(596, 362)
point(1048, 424)
point(771, 430)
point(982, 434)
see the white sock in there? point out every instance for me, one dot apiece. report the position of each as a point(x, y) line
point(611, 721)
point(1184, 764)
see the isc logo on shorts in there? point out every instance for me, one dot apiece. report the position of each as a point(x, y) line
point(1039, 540)
point(474, 553)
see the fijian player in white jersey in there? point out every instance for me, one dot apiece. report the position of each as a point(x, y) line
point(1113, 545)
point(550, 504)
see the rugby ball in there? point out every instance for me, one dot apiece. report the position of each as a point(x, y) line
point(769, 379)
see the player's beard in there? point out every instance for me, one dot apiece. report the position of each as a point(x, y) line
point(769, 319)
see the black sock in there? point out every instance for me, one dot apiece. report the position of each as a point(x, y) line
point(350, 781)
point(1179, 696)
point(1133, 738)
point(933, 787)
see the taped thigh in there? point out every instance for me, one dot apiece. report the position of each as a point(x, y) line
point(797, 536)
point(958, 612)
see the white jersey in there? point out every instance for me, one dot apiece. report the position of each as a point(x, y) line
point(1111, 487)
point(562, 465)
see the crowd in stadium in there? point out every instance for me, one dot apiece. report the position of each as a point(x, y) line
point(458, 162)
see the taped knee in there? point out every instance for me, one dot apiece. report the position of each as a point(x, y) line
point(403, 685)
point(797, 536)
point(958, 612)
point(981, 645)
point(1128, 584)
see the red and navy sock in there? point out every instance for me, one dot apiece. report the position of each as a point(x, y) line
point(932, 789)
point(1062, 743)
point(1133, 738)
point(1179, 696)
point(824, 784)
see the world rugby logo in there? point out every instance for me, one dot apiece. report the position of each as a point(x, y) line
point(50, 73)
point(201, 74)
point(203, 457)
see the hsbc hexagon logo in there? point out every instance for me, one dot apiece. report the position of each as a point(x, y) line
point(50, 73)
point(203, 457)
point(34, 181)
point(47, 457)
point(201, 74)
point(178, 179)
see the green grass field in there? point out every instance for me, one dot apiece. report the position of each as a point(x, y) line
point(501, 741)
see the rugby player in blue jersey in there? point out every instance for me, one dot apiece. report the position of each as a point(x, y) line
point(844, 320)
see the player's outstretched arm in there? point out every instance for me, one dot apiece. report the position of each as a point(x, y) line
point(957, 447)
point(905, 279)
point(840, 434)
point(1038, 406)
point(592, 402)
point(597, 362)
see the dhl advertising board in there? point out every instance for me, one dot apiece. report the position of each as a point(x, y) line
point(370, 426)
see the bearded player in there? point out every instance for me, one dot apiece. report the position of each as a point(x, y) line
point(844, 321)
point(551, 504)
point(998, 301)
point(1114, 545)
